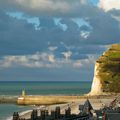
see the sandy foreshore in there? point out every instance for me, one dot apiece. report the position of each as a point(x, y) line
point(97, 103)
point(73, 101)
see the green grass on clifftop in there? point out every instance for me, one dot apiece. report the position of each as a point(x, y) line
point(110, 69)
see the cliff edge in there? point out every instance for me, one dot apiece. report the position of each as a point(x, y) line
point(107, 72)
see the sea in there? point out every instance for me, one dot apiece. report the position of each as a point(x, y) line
point(14, 88)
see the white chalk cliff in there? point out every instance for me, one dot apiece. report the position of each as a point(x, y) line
point(107, 72)
point(96, 88)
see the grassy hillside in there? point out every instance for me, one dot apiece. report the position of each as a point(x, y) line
point(110, 69)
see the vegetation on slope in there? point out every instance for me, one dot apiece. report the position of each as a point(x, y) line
point(110, 69)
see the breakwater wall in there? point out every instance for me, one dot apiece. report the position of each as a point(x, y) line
point(4, 99)
point(44, 100)
point(48, 100)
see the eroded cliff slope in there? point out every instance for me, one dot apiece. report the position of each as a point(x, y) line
point(107, 72)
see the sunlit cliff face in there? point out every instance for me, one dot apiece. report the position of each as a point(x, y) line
point(96, 88)
point(107, 72)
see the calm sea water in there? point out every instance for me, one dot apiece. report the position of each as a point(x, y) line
point(37, 88)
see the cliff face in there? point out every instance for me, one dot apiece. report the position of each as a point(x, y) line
point(107, 72)
point(96, 88)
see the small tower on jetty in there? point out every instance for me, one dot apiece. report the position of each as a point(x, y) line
point(23, 93)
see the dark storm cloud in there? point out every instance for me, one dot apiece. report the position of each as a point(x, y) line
point(106, 30)
point(20, 37)
point(114, 12)
point(47, 22)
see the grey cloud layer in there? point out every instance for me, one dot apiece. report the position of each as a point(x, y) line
point(76, 47)
point(20, 37)
point(66, 8)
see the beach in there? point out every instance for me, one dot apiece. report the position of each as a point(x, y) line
point(97, 103)
point(72, 101)
point(68, 92)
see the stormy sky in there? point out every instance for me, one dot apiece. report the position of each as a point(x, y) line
point(55, 40)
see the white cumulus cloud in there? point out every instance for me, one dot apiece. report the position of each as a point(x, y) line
point(51, 58)
point(36, 60)
point(42, 60)
point(109, 4)
point(67, 55)
point(84, 34)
